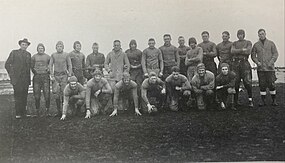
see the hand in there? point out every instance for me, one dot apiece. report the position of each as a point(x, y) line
point(97, 93)
point(258, 64)
point(63, 117)
point(219, 87)
point(149, 108)
point(160, 74)
point(52, 78)
point(137, 112)
point(114, 113)
point(125, 66)
point(178, 88)
point(68, 78)
point(146, 75)
point(163, 91)
point(244, 49)
point(88, 114)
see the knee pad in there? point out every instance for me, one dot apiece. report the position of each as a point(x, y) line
point(187, 93)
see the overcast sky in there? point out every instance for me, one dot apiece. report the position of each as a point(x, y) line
point(103, 21)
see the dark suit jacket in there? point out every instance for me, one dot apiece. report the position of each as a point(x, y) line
point(18, 67)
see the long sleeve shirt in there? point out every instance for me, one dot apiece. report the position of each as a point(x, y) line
point(209, 51)
point(227, 81)
point(93, 86)
point(224, 51)
point(147, 86)
point(152, 59)
point(122, 89)
point(40, 63)
point(77, 93)
point(95, 59)
point(266, 54)
point(237, 49)
point(135, 58)
point(194, 57)
point(181, 81)
point(170, 55)
point(60, 63)
point(116, 63)
point(77, 60)
point(203, 83)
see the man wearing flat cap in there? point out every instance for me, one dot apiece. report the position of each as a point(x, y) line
point(74, 95)
point(18, 67)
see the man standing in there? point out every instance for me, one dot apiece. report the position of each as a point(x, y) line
point(203, 84)
point(41, 79)
point(152, 92)
point(18, 67)
point(182, 50)
point(116, 63)
point(178, 89)
point(74, 95)
point(94, 60)
point(78, 62)
point(224, 50)
point(170, 56)
point(60, 70)
point(152, 59)
point(209, 53)
point(125, 95)
point(240, 51)
point(225, 82)
point(264, 54)
point(193, 57)
point(98, 95)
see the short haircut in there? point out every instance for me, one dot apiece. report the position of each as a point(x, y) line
point(226, 32)
point(205, 32)
point(180, 37)
point(95, 43)
point(261, 30)
point(165, 35)
point(151, 39)
point(117, 41)
point(175, 69)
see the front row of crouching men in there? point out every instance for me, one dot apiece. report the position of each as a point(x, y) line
point(174, 93)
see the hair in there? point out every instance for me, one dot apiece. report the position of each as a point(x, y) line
point(180, 37)
point(192, 40)
point(260, 30)
point(95, 43)
point(117, 41)
point(151, 39)
point(205, 32)
point(165, 35)
point(175, 69)
point(226, 32)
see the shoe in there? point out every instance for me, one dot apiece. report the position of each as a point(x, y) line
point(262, 103)
point(18, 117)
point(274, 103)
point(250, 104)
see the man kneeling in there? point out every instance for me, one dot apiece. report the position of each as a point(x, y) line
point(152, 92)
point(225, 82)
point(74, 95)
point(203, 84)
point(125, 93)
point(98, 95)
point(178, 89)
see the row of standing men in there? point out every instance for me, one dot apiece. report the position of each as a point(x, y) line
point(60, 65)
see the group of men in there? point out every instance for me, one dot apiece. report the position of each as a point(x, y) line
point(170, 77)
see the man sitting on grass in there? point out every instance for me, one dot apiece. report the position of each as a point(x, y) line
point(74, 95)
point(125, 93)
point(225, 82)
point(152, 92)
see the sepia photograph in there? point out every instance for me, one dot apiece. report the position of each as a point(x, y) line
point(142, 81)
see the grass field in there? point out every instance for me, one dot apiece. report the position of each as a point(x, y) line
point(244, 135)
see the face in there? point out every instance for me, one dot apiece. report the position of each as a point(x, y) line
point(95, 48)
point(181, 41)
point(225, 70)
point(192, 45)
point(240, 36)
point(41, 49)
point(77, 47)
point(201, 72)
point(72, 85)
point(24, 46)
point(59, 48)
point(126, 81)
point(153, 79)
point(262, 35)
point(167, 39)
point(117, 46)
point(175, 75)
point(205, 37)
point(133, 46)
point(97, 77)
point(225, 37)
point(151, 44)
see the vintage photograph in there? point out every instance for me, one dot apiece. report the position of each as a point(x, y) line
point(142, 81)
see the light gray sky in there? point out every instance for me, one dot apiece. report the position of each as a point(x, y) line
point(103, 21)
